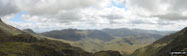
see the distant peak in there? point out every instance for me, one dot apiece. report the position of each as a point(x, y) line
point(29, 31)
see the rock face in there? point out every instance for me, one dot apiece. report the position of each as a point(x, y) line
point(163, 47)
point(14, 42)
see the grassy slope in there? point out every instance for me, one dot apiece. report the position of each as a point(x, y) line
point(177, 45)
point(14, 42)
point(163, 46)
point(26, 45)
point(17, 48)
point(94, 45)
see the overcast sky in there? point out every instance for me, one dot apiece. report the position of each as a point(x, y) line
point(45, 15)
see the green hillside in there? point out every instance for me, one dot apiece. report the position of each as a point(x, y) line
point(172, 43)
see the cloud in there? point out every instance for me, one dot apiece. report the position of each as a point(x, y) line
point(69, 15)
point(113, 16)
point(59, 10)
point(96, 14)
point(172, 16)
point(178, 5)
point(147, 4)
point(147, 7)
point(164, 9)
point(43, 7)
point(7, 7)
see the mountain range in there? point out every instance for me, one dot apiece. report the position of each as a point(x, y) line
point(105, 42)
point(14, 42)
point(124, 40)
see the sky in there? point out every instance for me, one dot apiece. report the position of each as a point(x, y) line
point(46, 15)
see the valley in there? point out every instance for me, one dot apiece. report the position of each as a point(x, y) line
point(123, 40)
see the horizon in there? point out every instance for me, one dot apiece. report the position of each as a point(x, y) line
point(47, 15)
point(96, 29)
